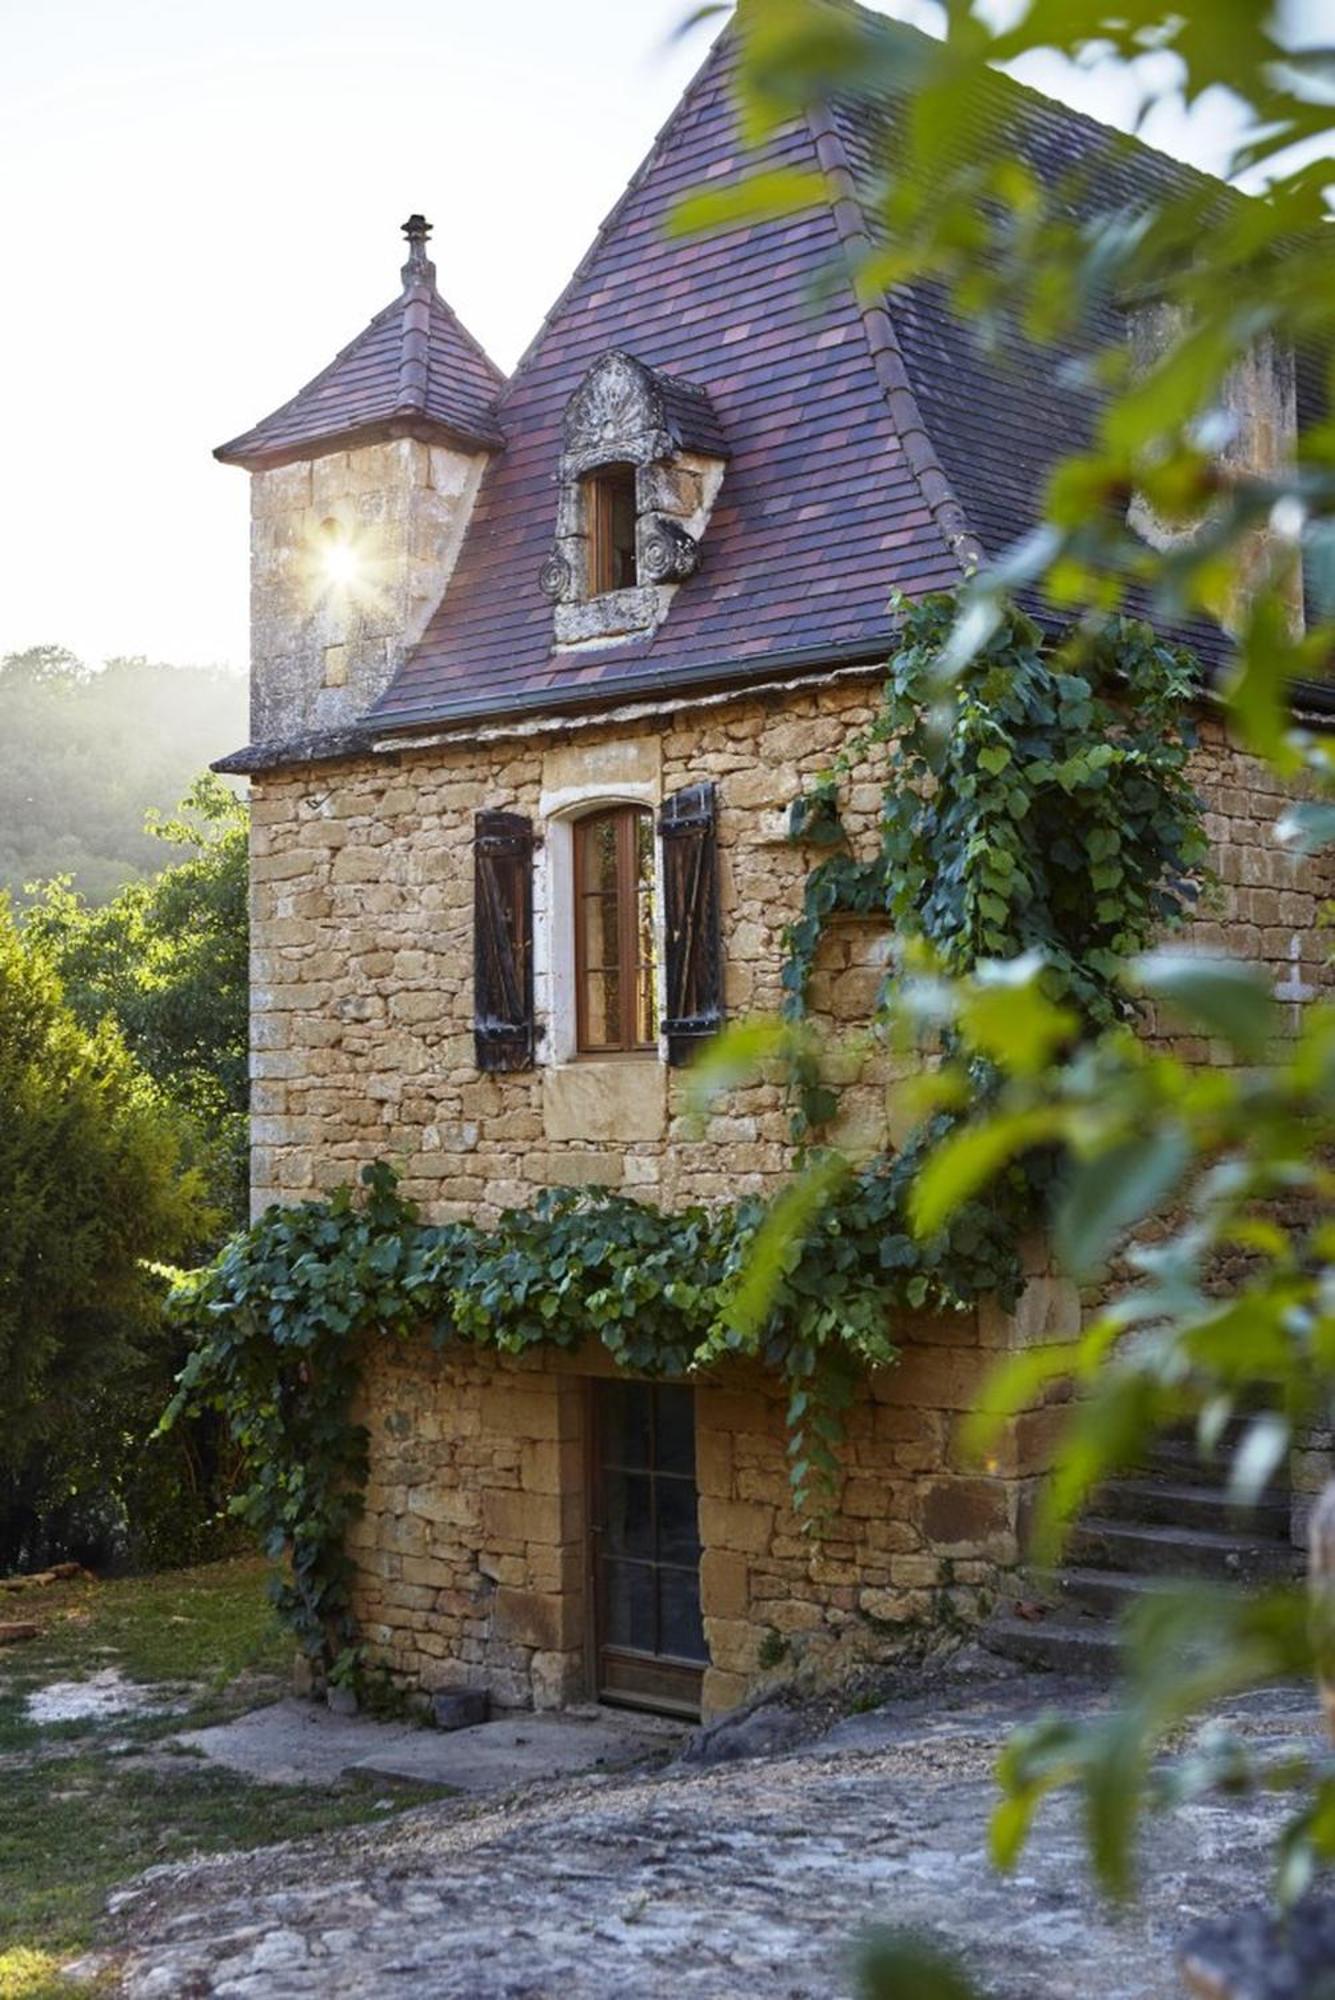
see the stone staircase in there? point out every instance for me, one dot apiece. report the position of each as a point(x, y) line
point(1170, 1521)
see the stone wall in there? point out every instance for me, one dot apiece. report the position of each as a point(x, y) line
point(472, 1553)
point(362, 969)
point(325, 643)
point(472, 1559)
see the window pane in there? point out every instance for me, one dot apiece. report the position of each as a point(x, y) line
point(674, 1427)
point(680, 1627)
point(628, 1604)
point(624, 571)
point(646, 1010)
point(599, 917)
point(599, 835)
point(602, 1010)
point(678, 1520)
point(624, 1410)
point(628, 1516)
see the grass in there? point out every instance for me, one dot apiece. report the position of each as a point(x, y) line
point(88, 1805)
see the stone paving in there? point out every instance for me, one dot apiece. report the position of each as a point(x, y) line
point(745, 1879)
point(302, 1743)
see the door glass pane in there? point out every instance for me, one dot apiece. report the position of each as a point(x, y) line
point(678, 1520)
point(681, 1629)
point(628, 1604)
point(626, 1415)
point(674, 1425)
point(628, 1513)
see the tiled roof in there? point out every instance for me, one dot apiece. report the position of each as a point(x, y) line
point(820, 515)
point(873, 450)
point(414, 371)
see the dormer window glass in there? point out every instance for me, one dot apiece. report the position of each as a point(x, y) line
point(610, 514)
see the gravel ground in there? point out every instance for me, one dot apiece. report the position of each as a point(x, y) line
point(744, 1879)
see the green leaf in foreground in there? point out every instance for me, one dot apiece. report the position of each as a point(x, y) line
point(1224, 997)
point(896, 1965)
point(1105, 1196)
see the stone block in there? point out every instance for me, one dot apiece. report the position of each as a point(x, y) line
point(619, 1101)
point(549, 1624)
point(725, 1589)
point(460, 1708)
point(741, 1525)
point(713, 1461)
point(965, 1514)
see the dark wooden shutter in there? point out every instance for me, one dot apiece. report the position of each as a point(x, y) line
point(503, 940)
point(687, 827)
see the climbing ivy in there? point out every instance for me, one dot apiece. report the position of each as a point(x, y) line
point(1038, 803)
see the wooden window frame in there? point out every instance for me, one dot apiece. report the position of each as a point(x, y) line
point(599, 518)
point(628, 819)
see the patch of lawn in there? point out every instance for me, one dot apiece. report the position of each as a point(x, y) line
point(87, 1805)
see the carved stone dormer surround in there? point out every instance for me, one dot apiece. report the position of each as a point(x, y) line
point(624, 413)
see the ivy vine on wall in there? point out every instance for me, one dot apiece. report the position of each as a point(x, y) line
point(1039, 802)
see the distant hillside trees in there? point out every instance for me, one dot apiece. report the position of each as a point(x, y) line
point(84, 755)
point(167, 960)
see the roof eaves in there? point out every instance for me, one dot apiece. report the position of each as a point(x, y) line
point(378, 430)
point(887, 357)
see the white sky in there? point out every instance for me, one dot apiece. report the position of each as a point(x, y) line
point(199, 204)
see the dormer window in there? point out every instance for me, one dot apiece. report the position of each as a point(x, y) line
point(609, 519)
point(641, 464)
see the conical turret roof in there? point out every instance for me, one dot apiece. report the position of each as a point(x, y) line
point(415, 371)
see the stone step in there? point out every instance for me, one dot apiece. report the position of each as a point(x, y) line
point(1059, 1642)
point(1099, 1593)
point(1178, 1457)
point(1148, 1550)
point(1172, 1503)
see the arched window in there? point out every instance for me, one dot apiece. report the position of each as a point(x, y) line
point(614, 931)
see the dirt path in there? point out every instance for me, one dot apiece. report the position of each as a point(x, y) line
point(746, 1880)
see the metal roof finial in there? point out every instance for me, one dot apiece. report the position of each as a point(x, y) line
point(419, 269)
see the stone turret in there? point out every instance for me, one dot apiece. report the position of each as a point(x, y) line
point(361, 488)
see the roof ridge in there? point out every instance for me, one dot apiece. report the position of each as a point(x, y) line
point(886, 355)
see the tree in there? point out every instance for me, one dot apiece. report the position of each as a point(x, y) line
point(167, 961)
point(94, 1196)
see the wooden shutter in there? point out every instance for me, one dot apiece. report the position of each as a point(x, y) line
point(503, 940)
point(687, 827)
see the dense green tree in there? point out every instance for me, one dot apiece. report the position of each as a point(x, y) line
point(85, 755)
point(94, 1195)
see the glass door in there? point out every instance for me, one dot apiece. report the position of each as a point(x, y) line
point(649, 1639)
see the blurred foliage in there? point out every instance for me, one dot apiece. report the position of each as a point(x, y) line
point(1228, 1311)
point(954, 196)
point(85, 755)
point(167, 959)
point(1225, 1316)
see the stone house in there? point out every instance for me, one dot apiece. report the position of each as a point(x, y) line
point(538, 666)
